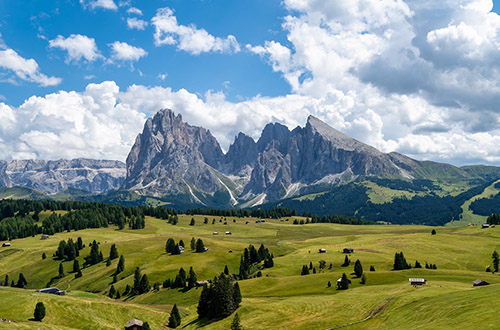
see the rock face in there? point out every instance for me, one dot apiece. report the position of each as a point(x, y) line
point(171, 157)
point(52, 177)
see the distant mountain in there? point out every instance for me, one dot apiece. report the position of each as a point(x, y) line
point(175, 161)
point(52, 177)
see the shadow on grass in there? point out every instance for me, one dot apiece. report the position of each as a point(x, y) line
point(200, 323)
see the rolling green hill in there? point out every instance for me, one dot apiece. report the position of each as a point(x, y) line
point(281, 298)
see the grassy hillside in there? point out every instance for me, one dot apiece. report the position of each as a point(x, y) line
point(281, 299)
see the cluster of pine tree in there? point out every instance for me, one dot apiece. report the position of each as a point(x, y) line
point(275, 213)
point(69, 250)
point(181, 278)
point(400, 262)
point(21, 282)
point(18, 227)
point(137, 222)
point(141, 283)
point(493, 219)
point(95, 255)
point(172, 247)
point(251, 259)
point(220, 299)
point(430, 266)
point(344, 282)
point(312, 269)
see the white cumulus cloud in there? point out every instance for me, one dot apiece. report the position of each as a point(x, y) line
point(135, 11)
point(25, 69)
point(189, 38)
point(78, 47)
point(104, 4)
point(135, 23)
point(124, 52)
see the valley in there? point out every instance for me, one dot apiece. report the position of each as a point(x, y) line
point(281, 298)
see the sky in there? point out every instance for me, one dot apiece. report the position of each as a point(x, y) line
point(78, 78)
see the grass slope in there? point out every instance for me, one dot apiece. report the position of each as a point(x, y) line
point(281, 299)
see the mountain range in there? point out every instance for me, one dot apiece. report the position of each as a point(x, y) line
point(314, 168)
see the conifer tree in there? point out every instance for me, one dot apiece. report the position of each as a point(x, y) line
point(226, 270)
point(417, 264)
point(121, 265)
point(61, 270)
point(170, 245)
point(112, 291)
point(192, 223)
point(372, 269)
point(358, 269)
point(305, 270)
point(192, 278)
point(193, 243)
point(496, 261)
point(144, 286)
point(21, 281)
point(176, 250)
point(180, 279)
point(181, 243)
point(237, 294)
point(235, 324)
point(6, 281)
point(174, 319)
point(347, 262)
point(39, 312)
point(44, 256)
point(329, 284)
point(343, 284)
point(137, 281)
point(113, 252)
point(200, 247)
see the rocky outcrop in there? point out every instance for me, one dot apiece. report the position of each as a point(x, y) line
point(52, 177)
point(171, 157)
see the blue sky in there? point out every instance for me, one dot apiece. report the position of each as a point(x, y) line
point(27, 29)
point(422, 77)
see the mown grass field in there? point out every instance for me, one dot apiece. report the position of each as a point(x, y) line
point(282, 298)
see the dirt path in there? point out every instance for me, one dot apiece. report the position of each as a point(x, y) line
point(374, 312)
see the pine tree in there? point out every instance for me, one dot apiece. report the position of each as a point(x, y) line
point(203, 303)
point(372, 269)
point(174, 319)
point(44, 256)
point(145, 326)
point(347, 262)
point(192, 222)
point(39, 313)
point(226, 270)
point(235, 325)
point(310, 265)
point(121, 265)
point(433, 232)
point(193, 243)
point(400, 262)
point(112, 291)
point(176, 250)
point(192, 278)
point(21, 281)
point(61, 270)
point(237, 294)
point(113, 252)
point(343, 284)
point(358, 269)
point(200, 247)
point(115, 278)
point(144, 286)
point(305, 270)
point(363, 279)
point(180, 279)
point(118, 296)
point(108, 262)
point(181, 243)
point(6, 281)
point(101, 257)
point(170, 245)
point(417, 264)
point(78, 274)
point(496, 261)
point(137, 281)
point(329, 284)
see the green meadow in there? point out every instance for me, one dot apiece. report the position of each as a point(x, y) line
point(281, 298)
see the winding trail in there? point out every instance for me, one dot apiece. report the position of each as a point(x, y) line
point(374, 312)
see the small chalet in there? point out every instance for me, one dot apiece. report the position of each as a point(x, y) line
point(348, 250)
point(55, 291)
point(215, 233)
point(201, 283)
point(322, 250)
point(6, 244)
point(230, 251)
point(228, 233)
point(485, 225)
point(480, 283)
point(134, 325)
point(181, 248)
point(44, 237)
point(417, 281)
